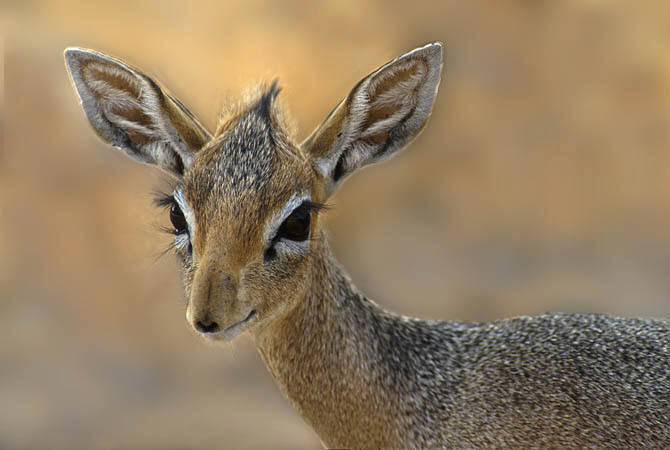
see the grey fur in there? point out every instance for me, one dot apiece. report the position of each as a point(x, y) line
point(554, 380)
point(361, 376)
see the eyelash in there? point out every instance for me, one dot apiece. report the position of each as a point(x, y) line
point(163, 199)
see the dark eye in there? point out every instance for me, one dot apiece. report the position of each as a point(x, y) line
point(178, 220)
point(296, 226)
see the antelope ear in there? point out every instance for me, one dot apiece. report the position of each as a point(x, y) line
point(381, 115)
point(130, 111)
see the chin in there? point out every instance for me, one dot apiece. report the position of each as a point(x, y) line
point(218, 339)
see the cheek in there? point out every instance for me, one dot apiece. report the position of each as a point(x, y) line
point(187, 278)
point(273, 287)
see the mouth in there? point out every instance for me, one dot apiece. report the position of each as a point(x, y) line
point(233, 330)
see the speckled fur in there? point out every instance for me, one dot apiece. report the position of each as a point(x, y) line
point(367, 378)
point(360, 376)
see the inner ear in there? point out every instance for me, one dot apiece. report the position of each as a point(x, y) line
point(379, 117)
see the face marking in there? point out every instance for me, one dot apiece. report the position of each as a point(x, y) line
point(181, 242)
point(186, 210)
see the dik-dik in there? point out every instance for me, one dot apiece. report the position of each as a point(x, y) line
point(246, 214)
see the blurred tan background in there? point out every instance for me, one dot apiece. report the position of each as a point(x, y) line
point(542, 183)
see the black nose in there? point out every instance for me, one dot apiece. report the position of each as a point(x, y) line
point(206, 326)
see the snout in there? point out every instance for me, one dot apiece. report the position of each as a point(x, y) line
point(214, 309)
point(213, 329)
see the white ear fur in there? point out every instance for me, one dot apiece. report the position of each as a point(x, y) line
point(381, 115)
point(130, 111)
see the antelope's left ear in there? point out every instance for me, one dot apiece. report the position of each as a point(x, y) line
point(380, 116)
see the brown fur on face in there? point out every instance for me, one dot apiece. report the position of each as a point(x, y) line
point(235, 186)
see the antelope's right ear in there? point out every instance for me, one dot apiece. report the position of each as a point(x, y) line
point(130, 111)
point(379, 117)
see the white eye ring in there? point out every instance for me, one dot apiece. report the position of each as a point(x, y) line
point(186, 210)
point(182, 242)
point(289, 246)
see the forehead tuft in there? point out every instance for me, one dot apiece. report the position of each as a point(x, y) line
point(260, 100)
point(252, 160)
point(264, 104)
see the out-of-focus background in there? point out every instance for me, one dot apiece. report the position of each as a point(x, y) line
point(542, 183)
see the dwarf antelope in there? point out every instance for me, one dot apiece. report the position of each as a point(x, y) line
point(246, 214)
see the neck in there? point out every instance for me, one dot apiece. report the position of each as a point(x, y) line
point(329, 360)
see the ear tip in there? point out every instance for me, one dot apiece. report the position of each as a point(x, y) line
point(435, 50)
point(431, 51)
point(70, 54)
point(80, 54)
point(73, 55)
point(73, 52)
